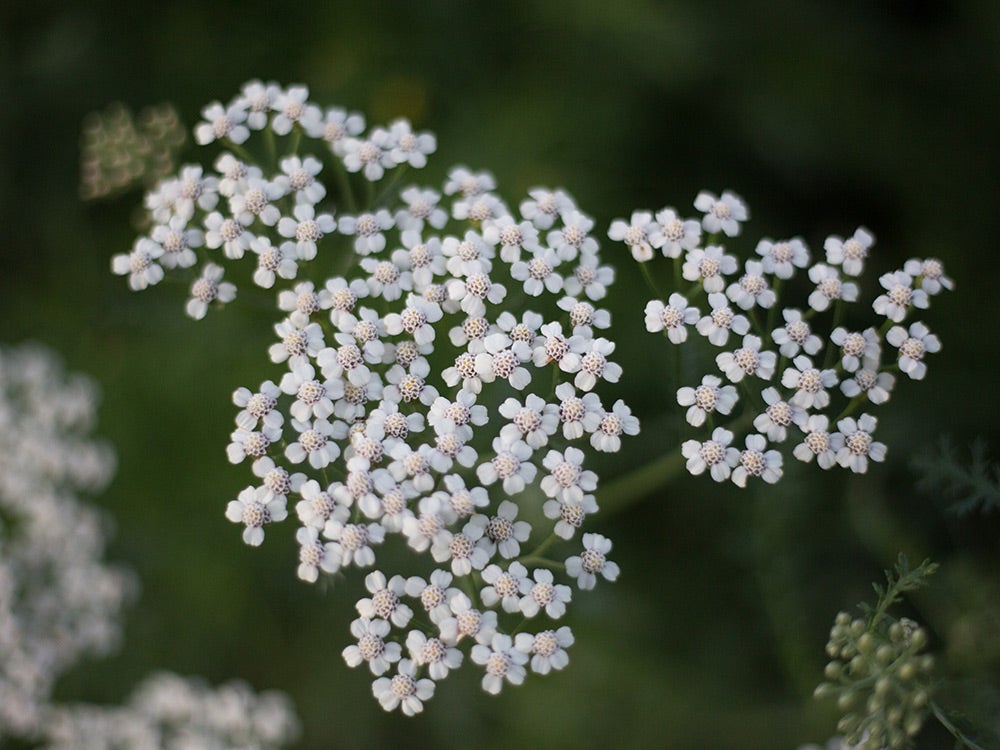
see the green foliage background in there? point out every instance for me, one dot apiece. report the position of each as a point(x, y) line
point(823, 115)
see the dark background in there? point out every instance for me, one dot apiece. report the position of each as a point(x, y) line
point(823, 116)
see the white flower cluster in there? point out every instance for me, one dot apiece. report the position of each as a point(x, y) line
point(438, 394)
point(806, 384)
point(168, 712)
point(59, 601)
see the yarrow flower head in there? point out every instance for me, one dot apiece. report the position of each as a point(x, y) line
point(800, 373)
point(359, 428)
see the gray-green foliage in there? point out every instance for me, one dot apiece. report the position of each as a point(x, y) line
point(967, 487)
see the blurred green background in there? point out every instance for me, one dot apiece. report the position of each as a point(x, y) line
point(822, 115)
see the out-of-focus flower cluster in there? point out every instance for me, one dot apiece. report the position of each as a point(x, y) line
point(60, 602)
point(119, 152)
point(436, 365)
point(799, 374)
point(168, 712)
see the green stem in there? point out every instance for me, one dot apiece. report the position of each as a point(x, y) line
point(954, 731)
point(639, 483)
point(644, 267)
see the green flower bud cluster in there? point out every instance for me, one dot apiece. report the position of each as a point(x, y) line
point(880, 680)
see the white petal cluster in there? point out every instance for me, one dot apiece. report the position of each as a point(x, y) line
point(60, 602)
point(415, 406)
point(795, 374)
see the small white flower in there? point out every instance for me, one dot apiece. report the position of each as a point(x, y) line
point(503, 661)
point(417, 320)
point(511, 466)
point(222, 123)
point(251, 443)
point(858, 444)
point(710, 265)
point(929, 274)
point(368, 229)
point(579, 415)
point(404, 690)
point(538, 273)
point(569, 516)
point(141, 264)
point(467, 622)
point(293, 108)
point(717, 324)
point(433, 653)
point(273, 261)
point(795, 334)
point(567, 481)
point(677, 235)
point(752, 288)
point(818, 442)
point(254, 200)
point(721, 214)
point(589, 278)
point(467, 256)
point(544, 206)
point(592, 562)
point(829, 287)
point(504, 586)
point(899, 297)
point(672, 318)
point(371, 646)
point(299, 177)
point(336, 125)
point(317, 442)
point(706, 399)
point(857, 349)
point(228, 234)
point(352, 541)
point(614, 423)
point(547, 648)
point(260, 406)
point(913, 344)
point(297, 344)
point(384, 602)
point(574, 239)
point(307, 229)
point(421, 208)
point(468, 183)
point(594, 365)
point(810, 383)
point(209, 288)
point(314, 555)
point(435, 594)
point(747, 360)
point(782, 258)
point(850, 254)
point(639, 234)
point(407, 147)
point(255, 507)
point(317, 507)
point(366, 156)
point(778, 416)
point(714, 455)
point(258, 99)
point(875, 385)
point(512, 237)
point(534, 421)
point(177, 241)
point(543, 593)
point(756, 461)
